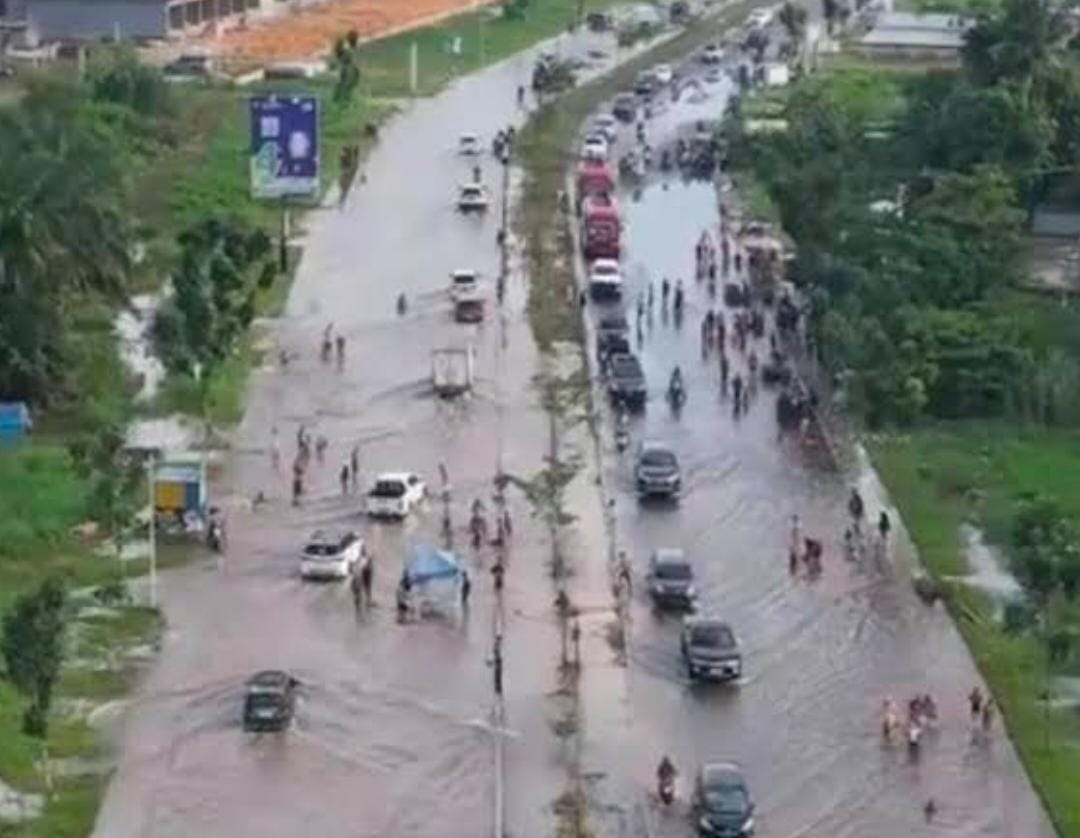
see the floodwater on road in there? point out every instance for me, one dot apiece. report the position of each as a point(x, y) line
point(820, 654)
point(393, 733)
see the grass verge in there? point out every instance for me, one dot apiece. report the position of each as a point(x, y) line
point(940, 478)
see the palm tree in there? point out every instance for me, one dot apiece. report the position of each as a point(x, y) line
point(63, 232)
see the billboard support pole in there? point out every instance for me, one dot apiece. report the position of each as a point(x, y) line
point(283, 252)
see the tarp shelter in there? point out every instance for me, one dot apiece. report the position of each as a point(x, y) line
point(14, 421)
point(429, 564)
point(180, 486)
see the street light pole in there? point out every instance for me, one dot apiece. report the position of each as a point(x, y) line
point(150, 462)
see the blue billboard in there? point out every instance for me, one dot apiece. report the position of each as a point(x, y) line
point(284, 146)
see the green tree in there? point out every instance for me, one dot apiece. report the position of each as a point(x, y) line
point(114, 476)
point(32, 648)
point(64, 235)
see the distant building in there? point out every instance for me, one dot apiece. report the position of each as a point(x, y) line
point(88, 20)
point(907, 35)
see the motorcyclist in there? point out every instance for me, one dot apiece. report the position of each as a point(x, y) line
point(856, 508)
point(665, 780)
point(675, 385)
point(402, 304)
point(678, 297)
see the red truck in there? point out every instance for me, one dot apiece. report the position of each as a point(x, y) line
point(600, 226)
point(594, 177)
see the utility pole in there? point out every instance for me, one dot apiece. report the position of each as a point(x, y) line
point(151, 461)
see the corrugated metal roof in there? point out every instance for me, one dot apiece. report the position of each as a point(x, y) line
point(928, 38)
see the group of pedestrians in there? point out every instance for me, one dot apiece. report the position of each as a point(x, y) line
point(807, 552)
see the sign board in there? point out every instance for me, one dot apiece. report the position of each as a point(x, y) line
point(284, 146)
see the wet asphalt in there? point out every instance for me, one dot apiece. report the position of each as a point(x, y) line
point(393, 735)
point(820, 654)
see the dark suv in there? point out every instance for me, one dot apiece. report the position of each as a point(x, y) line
point(671, 580)
point(656, 471)
point(269, 701)
point(626, 380)
point(710, 649)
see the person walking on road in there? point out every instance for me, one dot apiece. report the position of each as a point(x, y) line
point(856, 508)
point(275, 449)
point(367, 571)
point(344, 478)
point(736, 391)
point(339, 343)
point(354, 467)
point(975, 700)
point(987, 716)
point(884, 526)
point(356, 588)
point(466, 589)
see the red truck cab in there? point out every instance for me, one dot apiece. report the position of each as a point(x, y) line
point(594, 177)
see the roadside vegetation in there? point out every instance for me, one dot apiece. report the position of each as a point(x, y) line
point(908, 196)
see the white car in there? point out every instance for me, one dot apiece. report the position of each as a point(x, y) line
point(395, 494)
point(604, 125)
point(663, 74)
point(759, 19)
point(595, 148)
point(463, 283)
point(712, 54)
point(469, 145)
point(605, 279)
point(473, 197)
point(331, 554)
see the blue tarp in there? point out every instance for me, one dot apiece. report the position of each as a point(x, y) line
point(427, 563)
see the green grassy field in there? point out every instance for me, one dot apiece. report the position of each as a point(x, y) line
point(942, 477)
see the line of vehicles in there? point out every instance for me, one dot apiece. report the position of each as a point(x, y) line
point(708, 647)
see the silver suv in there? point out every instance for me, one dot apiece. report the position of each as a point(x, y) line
point(656, 471)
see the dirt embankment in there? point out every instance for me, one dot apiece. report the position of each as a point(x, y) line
point(311, 31)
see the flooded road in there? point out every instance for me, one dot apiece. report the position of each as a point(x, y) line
point(819, 655)
point(393, 733)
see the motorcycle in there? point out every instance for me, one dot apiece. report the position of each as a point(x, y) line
point(665, 782)
point(622, 434)
point(676, 395)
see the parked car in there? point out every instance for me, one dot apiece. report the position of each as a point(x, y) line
point(595, 147)
point(463, 283)
point(626, 380)
point(709, 649)
point(605, 279)
point(605, 125)
point(331, 554)
point(721, 801)
point(395, 494)
point(645, 84)
point(625, 107)
point(759, 18)
point(469, 145)
point(656, 470)
point(472, 197)
point(712, 54)
point(269, 700)
point(671, 580)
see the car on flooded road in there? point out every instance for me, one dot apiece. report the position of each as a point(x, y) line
point(472, 197)
point(671, 580)
point(712, 54)
point(331, 554)
point(605, 280)
point(710, 650)
point(605, 125)
point(721, 801)
point(269, 701)
point(395, 494)
point(625, 107)
point(626, 380)
point(656, 471)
